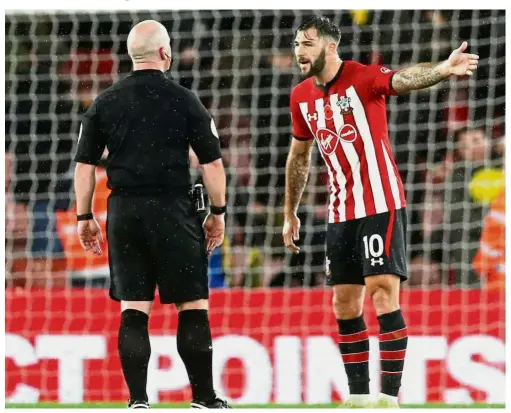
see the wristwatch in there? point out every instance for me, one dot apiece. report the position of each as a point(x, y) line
point(85, 217)
point(218, 210)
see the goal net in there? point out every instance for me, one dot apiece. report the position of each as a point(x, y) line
point(273, 343)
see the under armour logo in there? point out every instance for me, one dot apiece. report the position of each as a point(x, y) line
point(375, 261)
point(313, 116)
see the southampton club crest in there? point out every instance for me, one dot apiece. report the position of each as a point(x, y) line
point(344, 105)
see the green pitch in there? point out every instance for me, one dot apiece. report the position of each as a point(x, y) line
point(252, 406)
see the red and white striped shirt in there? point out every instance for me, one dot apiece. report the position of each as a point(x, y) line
point(348, 119)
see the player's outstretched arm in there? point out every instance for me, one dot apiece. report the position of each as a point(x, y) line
point(424, 75)
point(297, 172)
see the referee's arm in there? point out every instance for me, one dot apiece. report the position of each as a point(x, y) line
point(91, 145)
point(205, 143)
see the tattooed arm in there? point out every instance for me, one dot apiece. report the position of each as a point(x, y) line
point(419, 76)
point(425, 75)
point(297, 172)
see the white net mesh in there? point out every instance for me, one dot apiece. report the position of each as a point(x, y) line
point(240, 64)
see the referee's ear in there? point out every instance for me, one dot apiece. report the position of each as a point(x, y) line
point(163, 53)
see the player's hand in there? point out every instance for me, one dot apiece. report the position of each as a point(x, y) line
point(460, 63)
point(90, 236)
point(214, 229)
point(291, 233)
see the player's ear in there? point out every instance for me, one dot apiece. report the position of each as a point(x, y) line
point(332, 47)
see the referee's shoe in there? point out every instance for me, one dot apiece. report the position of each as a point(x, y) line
point(138, 404)
point(216, 403)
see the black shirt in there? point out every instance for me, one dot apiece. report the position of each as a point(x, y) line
point(147, 122)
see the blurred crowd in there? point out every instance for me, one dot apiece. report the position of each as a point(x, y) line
point(448, 142)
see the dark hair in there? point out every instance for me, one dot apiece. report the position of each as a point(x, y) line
point(324, 26)
point(458, 133)
point(462, 131)
point(465, 129)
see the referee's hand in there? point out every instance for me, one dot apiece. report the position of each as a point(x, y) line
point(90, 236)
point(214, 229)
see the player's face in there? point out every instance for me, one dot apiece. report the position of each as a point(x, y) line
point(473, 145)
point(310, 52)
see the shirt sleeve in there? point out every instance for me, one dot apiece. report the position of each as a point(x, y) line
point(380, 80)
point(299, 128)
point(203, 135)
point(91, 140)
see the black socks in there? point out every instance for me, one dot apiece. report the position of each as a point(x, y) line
point(196, 350)
point(393, 341)
point(134, 352)
point(354, 348)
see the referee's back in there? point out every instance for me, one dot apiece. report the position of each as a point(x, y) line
point(147, 122)
point(156, 237)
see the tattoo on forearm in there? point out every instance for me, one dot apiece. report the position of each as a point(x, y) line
point(420, 76)
point(297, 171)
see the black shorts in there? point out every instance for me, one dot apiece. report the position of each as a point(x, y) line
point(367, 246)
point(156, 241)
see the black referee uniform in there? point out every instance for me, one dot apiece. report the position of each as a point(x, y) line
point(155, 237)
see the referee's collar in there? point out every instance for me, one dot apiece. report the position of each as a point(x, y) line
point(147, 72)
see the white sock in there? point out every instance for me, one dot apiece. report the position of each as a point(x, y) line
point(384, 396)
point(359, 399)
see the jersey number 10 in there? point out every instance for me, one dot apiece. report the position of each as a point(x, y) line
point(374, 246)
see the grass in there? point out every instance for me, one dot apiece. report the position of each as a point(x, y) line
point(254, 406)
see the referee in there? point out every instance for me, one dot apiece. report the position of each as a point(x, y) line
point(155, 238)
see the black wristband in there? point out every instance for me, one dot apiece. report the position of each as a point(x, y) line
point(218, 210)
point(85, 217)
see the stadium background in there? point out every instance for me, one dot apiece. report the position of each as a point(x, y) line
point(271, 317)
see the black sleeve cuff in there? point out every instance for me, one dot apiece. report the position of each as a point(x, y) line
point(299, 138)
point(209, 159)
point(84, 160)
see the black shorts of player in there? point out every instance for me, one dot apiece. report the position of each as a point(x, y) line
point(367, 246)
point(156, 241)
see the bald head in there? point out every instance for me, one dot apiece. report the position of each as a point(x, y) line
point(146, 40)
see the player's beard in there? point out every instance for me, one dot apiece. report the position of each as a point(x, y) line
point(317, 66)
